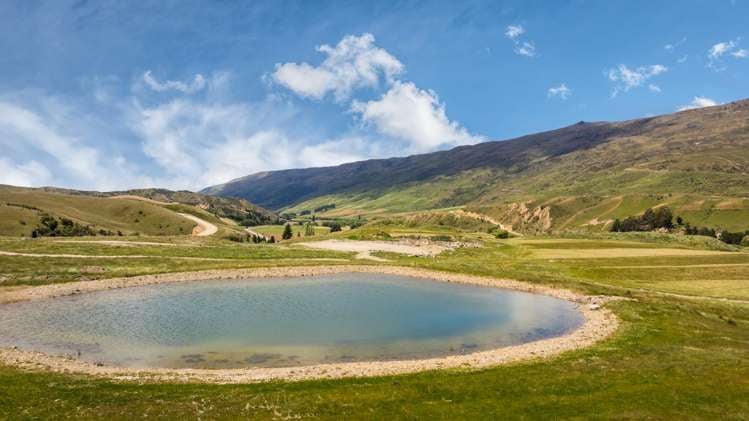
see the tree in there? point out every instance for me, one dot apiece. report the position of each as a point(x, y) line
point(334, 226)
point(309, 230)
point(617, 226)
point(679, 221)
point(287, 232)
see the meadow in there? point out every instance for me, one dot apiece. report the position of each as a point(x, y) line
point(682, 350)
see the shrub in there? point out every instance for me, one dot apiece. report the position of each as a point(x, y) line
point(502, 234)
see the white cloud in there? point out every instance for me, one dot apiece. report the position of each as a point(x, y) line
point(198, 144)
point(682, 59)
point(523, 48)
point(355, 62)
point(49, 134)
point(698, 102)
point(654, 88)
point(415, 116)
point(514, 31)
point(527, 49)
point(716, 53)
point(625, 78)
point(197, 84)
point(561, 91)
point(26, 174)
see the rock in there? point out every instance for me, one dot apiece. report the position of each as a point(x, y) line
point(594, 307)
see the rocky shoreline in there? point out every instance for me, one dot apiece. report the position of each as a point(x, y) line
point(599, 323)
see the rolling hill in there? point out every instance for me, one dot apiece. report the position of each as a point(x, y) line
point(147, 212)
point(581, 175)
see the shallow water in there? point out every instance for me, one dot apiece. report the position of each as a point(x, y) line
point(283, 321)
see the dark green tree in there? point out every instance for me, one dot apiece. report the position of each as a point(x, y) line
point(287, 232)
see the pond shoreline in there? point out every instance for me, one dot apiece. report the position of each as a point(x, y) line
point(599, 323)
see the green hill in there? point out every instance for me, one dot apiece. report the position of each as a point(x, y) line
point(696, 161)
point(147, 212)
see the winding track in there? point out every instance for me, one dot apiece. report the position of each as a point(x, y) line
point(204, 228)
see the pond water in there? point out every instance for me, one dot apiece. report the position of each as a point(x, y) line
point(283, 321)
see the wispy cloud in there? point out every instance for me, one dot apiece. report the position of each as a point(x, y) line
point(716, 54)
point(514, 31)
point(698, 102)
point(625, 78)
point(675, 45)
point(522, 48)
point(197, 84)
point(561, 92)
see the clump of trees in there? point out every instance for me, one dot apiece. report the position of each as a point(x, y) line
point(309, 230)
point(247, 238)
point(662, 218)
point(651, 220)
point(49, 226)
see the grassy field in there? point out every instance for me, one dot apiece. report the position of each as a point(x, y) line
point(682, 351)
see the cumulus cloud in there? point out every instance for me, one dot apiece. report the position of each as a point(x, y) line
point(353, 63)
point(625, 78)
point(414, 116)
point(522, 48)
point(197, 84)
point(716, 53)
point(698, 102)
point(561, 92)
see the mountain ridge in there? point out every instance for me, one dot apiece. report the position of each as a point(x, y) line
point(705, 142)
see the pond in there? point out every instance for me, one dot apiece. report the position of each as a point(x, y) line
point(278, 322)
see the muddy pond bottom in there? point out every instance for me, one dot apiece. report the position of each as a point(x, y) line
point(279, 322)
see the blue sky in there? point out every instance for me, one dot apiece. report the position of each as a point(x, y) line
point(112, 95)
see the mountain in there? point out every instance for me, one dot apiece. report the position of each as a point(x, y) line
point(693, 155)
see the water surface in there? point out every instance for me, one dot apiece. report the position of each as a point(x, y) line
point(283, 321)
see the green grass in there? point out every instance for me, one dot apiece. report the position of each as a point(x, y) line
point(673, 358)
point(128, 216)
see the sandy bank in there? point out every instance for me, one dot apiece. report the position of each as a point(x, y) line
point(599, 323)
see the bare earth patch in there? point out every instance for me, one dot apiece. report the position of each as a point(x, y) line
point(203, 229)
point(599, 324)
point(364, 248)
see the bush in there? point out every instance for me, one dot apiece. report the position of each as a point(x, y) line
point(502, 234)
point(287, 232)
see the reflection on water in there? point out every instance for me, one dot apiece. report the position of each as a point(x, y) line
point(283, 322)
